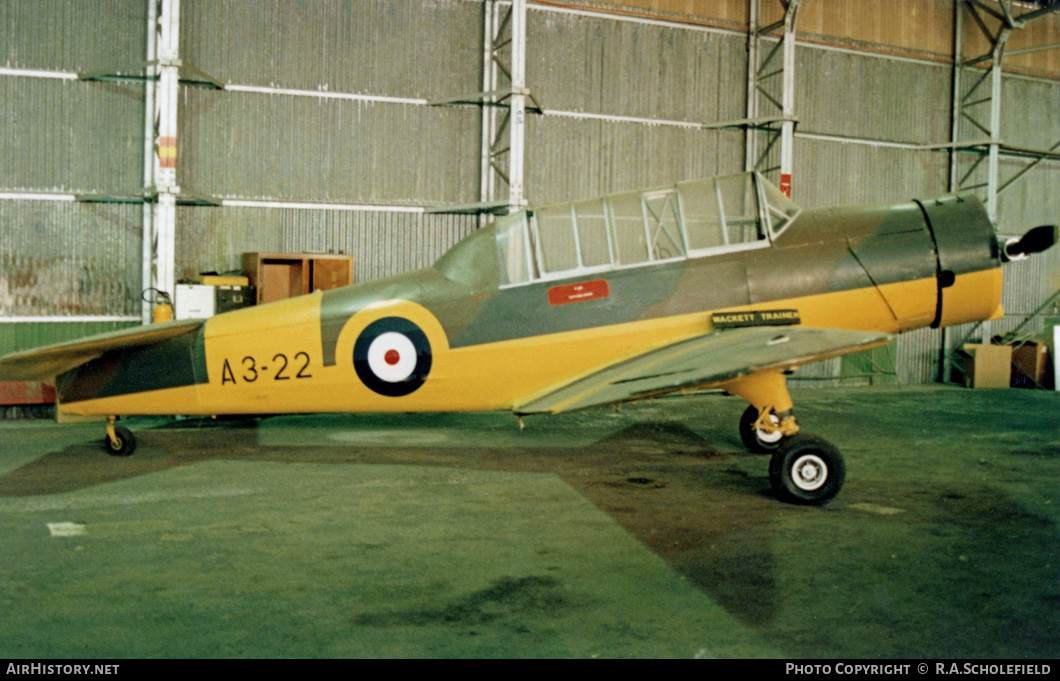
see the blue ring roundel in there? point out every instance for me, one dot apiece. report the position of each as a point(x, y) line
point(392, 356)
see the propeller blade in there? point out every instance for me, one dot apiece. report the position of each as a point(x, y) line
point(1034, 241)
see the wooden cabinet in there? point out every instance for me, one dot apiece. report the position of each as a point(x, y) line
point(285, 275)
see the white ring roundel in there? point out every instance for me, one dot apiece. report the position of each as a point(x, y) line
point(392, 356)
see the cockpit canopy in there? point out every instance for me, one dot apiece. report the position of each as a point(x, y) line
point(687, 220)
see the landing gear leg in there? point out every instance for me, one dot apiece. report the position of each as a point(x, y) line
point(803, 469)
point(119, 440)
point(764, 437)
point(770, 418)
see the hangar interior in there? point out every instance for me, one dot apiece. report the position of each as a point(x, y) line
point(148, 142)
point(206, 130)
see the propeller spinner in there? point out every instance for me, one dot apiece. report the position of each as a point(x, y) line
point(1034, 241)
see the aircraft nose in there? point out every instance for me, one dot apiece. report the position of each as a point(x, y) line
point(969, 259)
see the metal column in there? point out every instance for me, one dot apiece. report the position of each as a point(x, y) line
point(763, 76)
point(976, 119)
point(977, 112)
point(504, 105)
point(505, 102)
point(983, 97)
point(160, 145)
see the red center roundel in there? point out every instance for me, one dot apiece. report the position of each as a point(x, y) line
point(392, 357)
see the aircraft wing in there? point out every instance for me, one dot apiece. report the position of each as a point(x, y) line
point(48, 362)
point(702, 362)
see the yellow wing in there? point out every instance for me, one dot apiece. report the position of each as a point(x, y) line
point(702, 362)
point(45, 363)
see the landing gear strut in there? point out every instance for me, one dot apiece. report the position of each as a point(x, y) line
point(119, 440)
point(761, 438)
point(803, 469)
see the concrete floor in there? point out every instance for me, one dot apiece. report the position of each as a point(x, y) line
point(641, 532)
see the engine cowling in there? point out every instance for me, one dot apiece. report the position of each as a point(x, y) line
point(968, 260)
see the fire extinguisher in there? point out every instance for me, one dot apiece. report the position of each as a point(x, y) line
point(163, 305)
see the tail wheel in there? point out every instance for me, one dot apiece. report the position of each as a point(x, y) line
point(125, 444)
point(756, 439)
point(806, 469)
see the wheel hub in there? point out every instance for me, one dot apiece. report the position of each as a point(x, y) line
point(773, 435)
point(809, 472)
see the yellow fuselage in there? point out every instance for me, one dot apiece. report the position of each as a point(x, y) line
point(268, 359)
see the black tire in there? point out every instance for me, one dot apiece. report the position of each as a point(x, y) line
point(126, 442)
point(806, 470)
point(754, 439)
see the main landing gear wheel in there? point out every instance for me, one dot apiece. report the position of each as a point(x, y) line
point(756, 439)
point(806, 469)
point(124, 445)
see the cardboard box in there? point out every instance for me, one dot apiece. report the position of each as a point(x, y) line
point(987, 366)
point(1030, 365)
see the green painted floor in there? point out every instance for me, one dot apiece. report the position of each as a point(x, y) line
point(643, 532)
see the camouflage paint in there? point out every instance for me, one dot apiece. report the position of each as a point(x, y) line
point(890, 268)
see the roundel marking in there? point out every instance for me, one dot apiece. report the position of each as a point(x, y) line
point(392, 356)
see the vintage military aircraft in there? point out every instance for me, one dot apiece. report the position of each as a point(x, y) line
point(716, 283)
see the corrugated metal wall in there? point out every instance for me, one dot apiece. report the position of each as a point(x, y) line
point(69, 259)
point(72, 136)
point(383, 243)
point(295, 148)
point(83, 37)
point(283, 143)
point(403, 48)
point(893, 100)
point(341, 115)
point(596, 65)
point(301, 148)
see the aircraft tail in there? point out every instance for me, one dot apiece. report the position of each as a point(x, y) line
point(48, 362)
